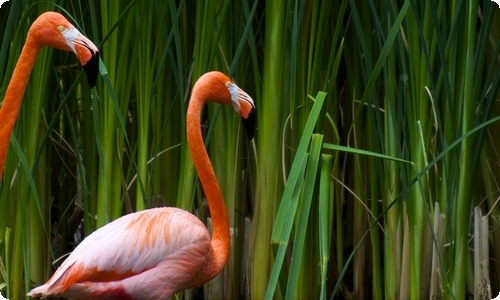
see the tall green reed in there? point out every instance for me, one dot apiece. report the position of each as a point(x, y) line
point(270, 122)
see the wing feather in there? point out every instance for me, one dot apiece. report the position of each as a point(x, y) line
point(130, 245)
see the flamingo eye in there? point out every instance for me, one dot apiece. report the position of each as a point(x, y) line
point(61, 28)
point(228, 84)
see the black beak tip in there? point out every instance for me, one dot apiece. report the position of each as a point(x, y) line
point(249, 124)
point(91, 68)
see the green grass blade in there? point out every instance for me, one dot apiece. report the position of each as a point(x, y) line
point(325, 212)
point(300, 266)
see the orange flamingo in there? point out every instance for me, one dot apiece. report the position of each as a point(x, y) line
point(50, 29)
point(157, 252)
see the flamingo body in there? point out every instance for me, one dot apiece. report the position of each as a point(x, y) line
point(155, 253)
point(144, 255)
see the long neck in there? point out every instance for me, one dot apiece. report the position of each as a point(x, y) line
point(218, 213)
point(14, 96)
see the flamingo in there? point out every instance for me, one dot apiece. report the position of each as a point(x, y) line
point(51, 29)
point(155, 253)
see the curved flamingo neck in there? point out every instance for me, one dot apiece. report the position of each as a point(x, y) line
point(14, 96)
point(201, 161)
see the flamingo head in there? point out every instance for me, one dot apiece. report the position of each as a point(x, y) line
point(217, 87)
point(53, 29)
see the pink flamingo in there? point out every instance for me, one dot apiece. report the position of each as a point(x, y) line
point(51, 29)
point(155, 253)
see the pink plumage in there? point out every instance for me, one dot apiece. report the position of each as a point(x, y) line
point(145, 255)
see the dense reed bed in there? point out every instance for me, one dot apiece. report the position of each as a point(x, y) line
point(374, 172)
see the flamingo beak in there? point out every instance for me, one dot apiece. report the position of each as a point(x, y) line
point(91, 68)
point(249, 123)
point(86, 52)
point(245, 107)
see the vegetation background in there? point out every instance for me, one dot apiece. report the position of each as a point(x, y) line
point(375, 170)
